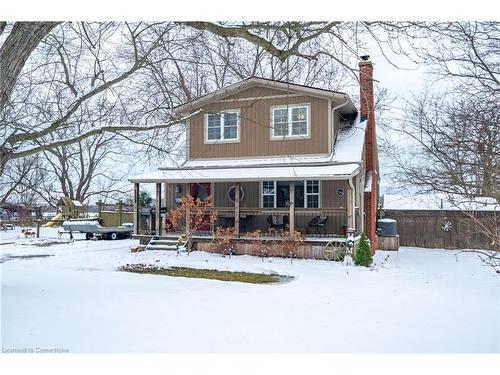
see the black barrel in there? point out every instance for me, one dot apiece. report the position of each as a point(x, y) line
point(387, 227)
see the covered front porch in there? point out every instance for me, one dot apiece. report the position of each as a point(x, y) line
point(320, 202)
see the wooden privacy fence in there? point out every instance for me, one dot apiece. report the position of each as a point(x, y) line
point(113, 215)
point(444, 229)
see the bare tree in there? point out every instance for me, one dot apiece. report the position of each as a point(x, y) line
point(453, 148)
point(467, 53)
point(77, 67)
point(339, 40)
point(18, 180)
point(115, 53)
point(83, 170)
point(22, 40)
point(458, 143)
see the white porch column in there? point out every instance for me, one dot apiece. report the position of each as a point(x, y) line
point(158, 209)
point(165, 196)
point(291, 221)
point(237, 209)
point(136, 208)
point(350, 201)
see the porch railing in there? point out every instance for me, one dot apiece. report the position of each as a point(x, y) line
point(319, 222)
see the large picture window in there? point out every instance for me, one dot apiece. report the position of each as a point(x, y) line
point(224, 126)
point(276, 194)
point(291, 121)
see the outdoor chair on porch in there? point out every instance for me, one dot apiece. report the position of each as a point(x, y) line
point(277, 222)
point(318, 223)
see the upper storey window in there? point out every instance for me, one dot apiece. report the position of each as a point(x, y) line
point(290, 121)
point(222, 127)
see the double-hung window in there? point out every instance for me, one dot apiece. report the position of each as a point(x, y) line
point(312, 194)
point(276, 194)
point(290, 121)
point(268, 194)
point(222, 127)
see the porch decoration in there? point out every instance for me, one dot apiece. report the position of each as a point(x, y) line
point(447, 226)
point(231, 193)
point(335, 251)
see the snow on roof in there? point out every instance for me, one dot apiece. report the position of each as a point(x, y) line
point(283, 173)
point(350, 142)
point(438, 202)
point(77, 203)
point(272, 160)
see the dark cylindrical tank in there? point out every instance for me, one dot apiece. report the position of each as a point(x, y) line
point(387, 227)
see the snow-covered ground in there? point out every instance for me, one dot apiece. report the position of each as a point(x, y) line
point(416, 300)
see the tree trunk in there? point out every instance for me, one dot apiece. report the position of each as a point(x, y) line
point(22, 40)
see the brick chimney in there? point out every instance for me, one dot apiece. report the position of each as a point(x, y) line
point(367, 111)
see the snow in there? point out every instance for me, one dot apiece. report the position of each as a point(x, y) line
point(414, 300)
point(350, 143)
point(272, 160)
point(438, 202)
point(77, 203)
point(248, 174)
point(80, 222)
point(386, 221)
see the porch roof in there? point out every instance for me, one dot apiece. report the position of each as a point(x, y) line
point(240, 174)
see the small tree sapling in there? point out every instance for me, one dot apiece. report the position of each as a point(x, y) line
point(363, 255)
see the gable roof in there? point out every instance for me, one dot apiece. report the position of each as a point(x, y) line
point(336, 96)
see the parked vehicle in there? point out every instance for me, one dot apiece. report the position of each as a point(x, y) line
point(92, 229)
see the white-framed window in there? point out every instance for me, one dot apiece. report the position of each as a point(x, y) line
point(222, 127)
point(290, 121)
point(276, 194)
point(311, 194)
point(269, 194)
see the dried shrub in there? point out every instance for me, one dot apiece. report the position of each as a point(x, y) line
point(258, 244)
point(224, 241)
point(200, 215)
point(290, 243)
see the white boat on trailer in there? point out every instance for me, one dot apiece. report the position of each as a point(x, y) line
point(92, 229)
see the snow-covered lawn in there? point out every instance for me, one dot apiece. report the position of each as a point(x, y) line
point(417, 300)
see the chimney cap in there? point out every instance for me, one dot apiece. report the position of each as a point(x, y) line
point(365, 57)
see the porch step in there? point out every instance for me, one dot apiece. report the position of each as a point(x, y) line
point(162, 247)
point(163, 244)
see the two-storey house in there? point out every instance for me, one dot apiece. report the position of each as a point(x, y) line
point(275, 155)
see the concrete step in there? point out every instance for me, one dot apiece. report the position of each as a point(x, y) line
point(163, 242)
point(164, 247)
point(161, 247)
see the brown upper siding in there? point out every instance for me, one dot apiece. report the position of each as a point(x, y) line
point(257, 92)
point(255, 122)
